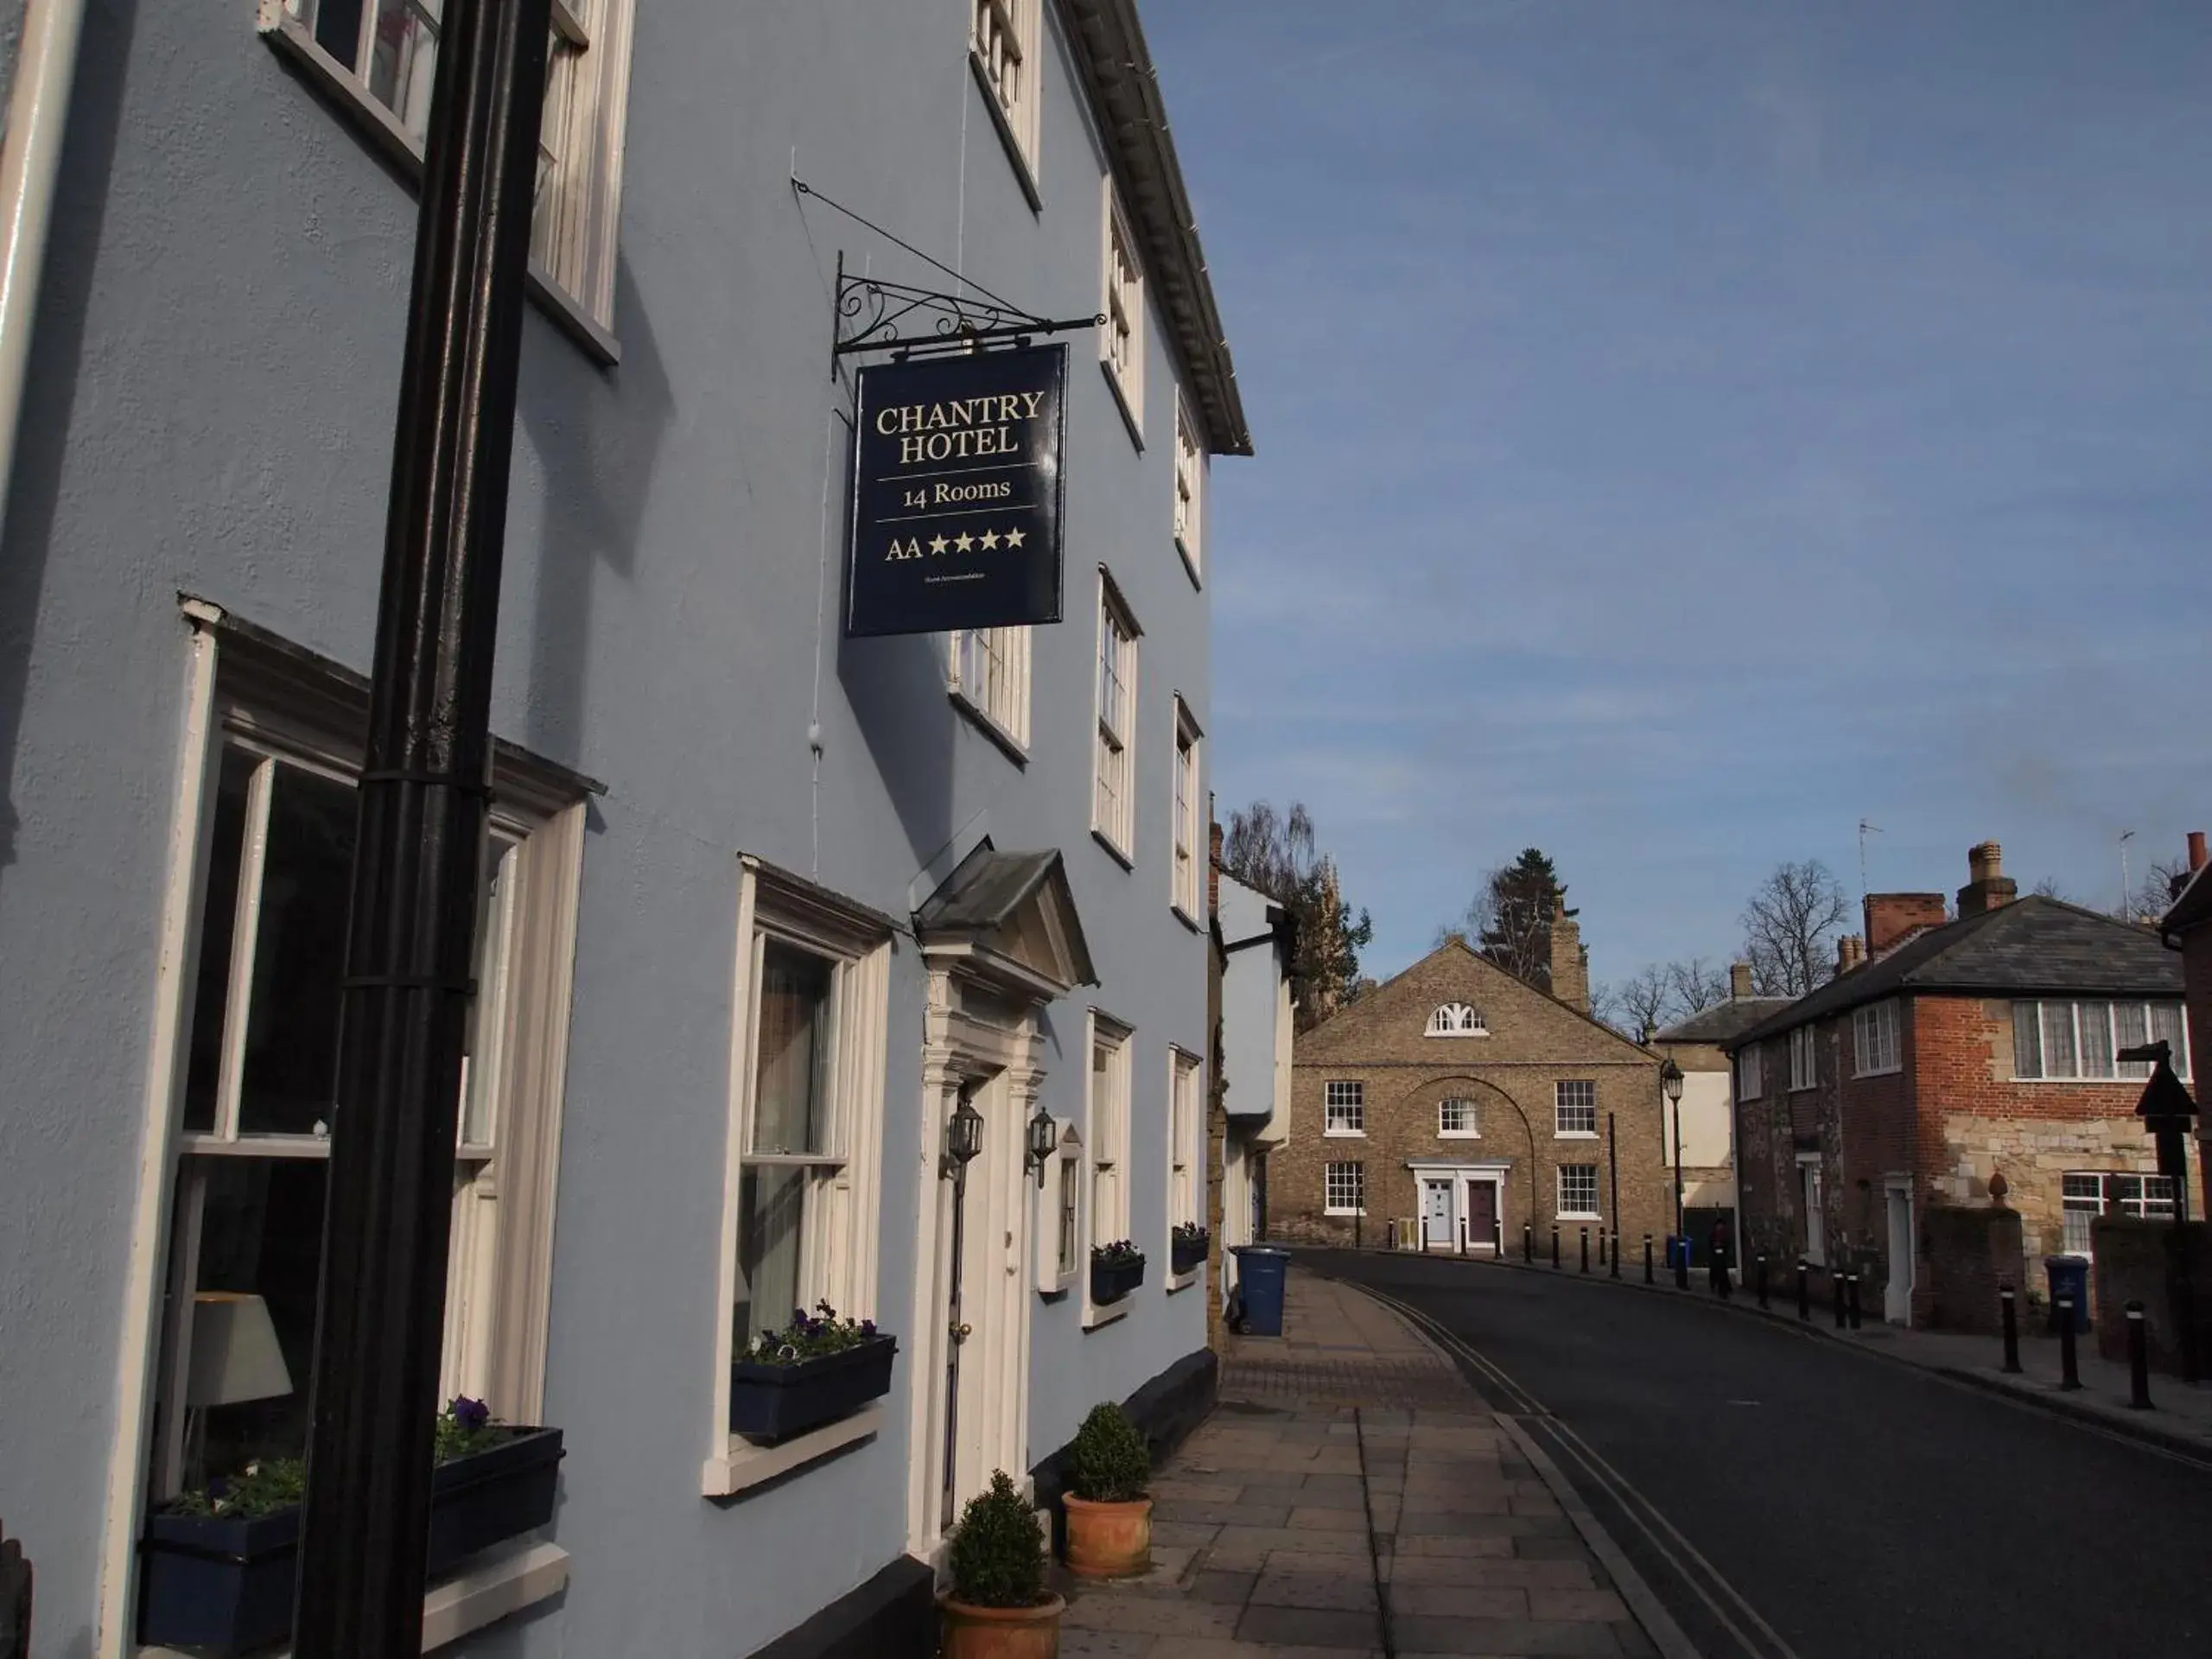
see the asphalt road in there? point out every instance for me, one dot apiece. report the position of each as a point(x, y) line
point(1785, 1495)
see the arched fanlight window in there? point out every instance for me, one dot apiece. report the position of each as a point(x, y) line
point(1457, 1020)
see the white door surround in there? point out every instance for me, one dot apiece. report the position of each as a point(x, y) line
point(1000, 939)
point(1458, 1182)
point(1808, 1182)
point(1897, 1296)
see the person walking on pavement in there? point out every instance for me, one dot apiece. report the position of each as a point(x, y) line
point(1716, 1247)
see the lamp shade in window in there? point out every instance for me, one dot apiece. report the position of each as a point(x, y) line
point(235, 1356)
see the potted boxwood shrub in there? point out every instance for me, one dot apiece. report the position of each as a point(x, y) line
point(813, 1372)
point(1109, 1517)
point(998, 1607)
point(1115, 1270)
point(1186, 1246)
point(218, 1563)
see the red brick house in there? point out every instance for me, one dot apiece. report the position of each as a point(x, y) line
point(1948, 1053)
point(2186, 927)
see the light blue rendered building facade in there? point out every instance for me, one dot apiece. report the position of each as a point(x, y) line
point(766, 906)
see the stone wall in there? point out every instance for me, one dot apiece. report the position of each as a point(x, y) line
point(2136, 1262)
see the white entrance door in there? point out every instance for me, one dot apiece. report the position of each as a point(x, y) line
point(1436, 1215)
point(1896, 1299)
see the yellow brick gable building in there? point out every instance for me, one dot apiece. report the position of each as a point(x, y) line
point(1456, 1108)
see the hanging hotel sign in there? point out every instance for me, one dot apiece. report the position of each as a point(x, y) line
point(957, 493)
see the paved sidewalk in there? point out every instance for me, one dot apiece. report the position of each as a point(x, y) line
point(2181, 1418)
point(1350, 1477)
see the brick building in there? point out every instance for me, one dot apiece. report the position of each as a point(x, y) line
point(1946, 1053)
point(1468, 1103)
point(2186, 927)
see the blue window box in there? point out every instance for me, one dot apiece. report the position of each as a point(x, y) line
point(226, 1585)
point(769, 1402)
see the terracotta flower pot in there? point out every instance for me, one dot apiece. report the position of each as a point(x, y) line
point(1108, 1541)
point(1001, 1632)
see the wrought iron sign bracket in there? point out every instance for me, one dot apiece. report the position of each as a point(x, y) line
point(875, 314)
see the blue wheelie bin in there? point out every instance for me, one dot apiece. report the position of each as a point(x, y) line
point(1260, 1269)
point(2069, 1276)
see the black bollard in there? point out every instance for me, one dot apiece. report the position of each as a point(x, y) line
point(1804, 1290)
point(1528, 1241)
point(2139, 1359)
point(1682, 1248)
point(1762, 1301)
point(1836, 1299)
point(1554, 1244)
point(1585, 1249)
point(1647, 1258)
point(1616, 1268)
point(2005, 1301)
point(1851, 1283)
point(2070, 1369)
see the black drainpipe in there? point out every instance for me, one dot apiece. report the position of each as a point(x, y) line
point(424, 790)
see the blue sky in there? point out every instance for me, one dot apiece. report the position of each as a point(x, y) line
point(1687, 429)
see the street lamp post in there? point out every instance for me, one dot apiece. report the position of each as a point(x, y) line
point(1670, 1083)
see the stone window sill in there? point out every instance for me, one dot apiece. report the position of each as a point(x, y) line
point(1183, 1280)
point(1095, 1318)
point(746, 1465)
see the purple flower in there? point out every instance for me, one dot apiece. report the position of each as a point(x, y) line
point(219, 1487)
point(471, 1415)
point(867, 1327)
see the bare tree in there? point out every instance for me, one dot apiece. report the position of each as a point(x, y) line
point(2157, 891)
point(1276, 853)
point(1695, 984)
point(1657, 994)
point(1790, 927)
point(2049, 888)
point(1639, 1004)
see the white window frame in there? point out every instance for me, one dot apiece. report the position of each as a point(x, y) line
point(1185, 1154)
point(1333, 1180)
point(2077, 1013)
point(1456, 1019)
point(1750, 1078)
point(1186, 797)
point(1122, 303)
point(1190, 491)
point(1063, 1177)
point(841, 1243)
point(988, 677)
point(1561, 1106)
point(575, 229)
point(1114, 774)
point(288, 708)
point(2112, 1192)
point(1877, 1049)
point(1804, 1058)
point(1005, 41)
point(1470, 1126)
point(1344, 1109)
point(1106, 1119)
point(1563, 1210)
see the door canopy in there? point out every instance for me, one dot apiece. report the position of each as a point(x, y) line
point(1008, 919)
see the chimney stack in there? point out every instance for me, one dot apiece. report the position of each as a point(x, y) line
point(1890, 916)
point(1570, 963)
point(2198, 857)
point(1990, 886)
point(1740, 982)
point(1850, 953)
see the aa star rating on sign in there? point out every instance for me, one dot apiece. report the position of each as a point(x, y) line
point(990, 541)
